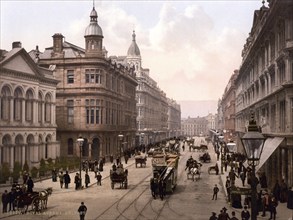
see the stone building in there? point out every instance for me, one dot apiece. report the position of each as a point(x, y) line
point(195, 126)
point(27, 110)
point(228, 108)
point(95, 96)
point(174, 118)
point(265, 85)
point(157, 116)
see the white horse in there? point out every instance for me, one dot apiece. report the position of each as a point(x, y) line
point(44, 194)
point(193, 172)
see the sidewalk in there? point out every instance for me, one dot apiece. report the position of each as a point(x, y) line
point(45, 183)
point(283, 213)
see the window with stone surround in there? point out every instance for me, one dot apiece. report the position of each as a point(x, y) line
point(93, 111)
point(29, 106)
point(93, 76)
point(17, 105)
point(70, 76)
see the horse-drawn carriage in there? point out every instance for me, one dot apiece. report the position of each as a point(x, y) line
point(37, 200)
point(193, 168)
point(139, 159)
point(214, 168)
point(119, 176)
point(205, 158)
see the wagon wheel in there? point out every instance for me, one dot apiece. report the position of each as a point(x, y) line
point(112, 185)
point(36, 205)
point(22, 208)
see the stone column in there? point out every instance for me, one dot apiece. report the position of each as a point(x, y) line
point(11, 109)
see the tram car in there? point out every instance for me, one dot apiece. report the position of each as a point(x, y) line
point(165, 167)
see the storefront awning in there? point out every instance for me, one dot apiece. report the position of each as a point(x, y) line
point(270, 146)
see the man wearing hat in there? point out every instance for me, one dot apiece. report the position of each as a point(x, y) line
point(223, 215)
point(214, 216)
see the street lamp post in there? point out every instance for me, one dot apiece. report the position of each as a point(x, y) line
point(253, 142)
point(80, 141)
point(120, 136)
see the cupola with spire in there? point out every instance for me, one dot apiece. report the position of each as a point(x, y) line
point(133, 50)
point(93, 36)
point(133, 56)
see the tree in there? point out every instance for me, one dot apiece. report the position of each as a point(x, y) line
point(16, 171)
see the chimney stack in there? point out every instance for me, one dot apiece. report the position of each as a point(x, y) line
point(16, 44)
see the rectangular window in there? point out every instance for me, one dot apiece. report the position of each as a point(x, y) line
point(70, 76)
point(87, 115)
point(92, 115)
point(97, 116)
point(93, 76)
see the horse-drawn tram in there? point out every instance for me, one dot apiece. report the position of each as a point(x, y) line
point(165, 168)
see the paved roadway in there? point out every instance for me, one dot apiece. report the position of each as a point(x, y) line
point(190, 200)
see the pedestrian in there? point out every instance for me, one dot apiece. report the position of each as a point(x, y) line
point(66, 179)
point(215, 192)
point(154, 184)
point(77, 181)
point(30, 184)
point(126, 158)
point(99, 179)
point(183, 147)
point(233, 216)
point(245, 215)
point(277, 190)
point(87, 179)
point(242, 177)
point(223, 214)
point(82, 210)
point(11, 198)
point(273, 208)
point(218, 154)
point(61, 179)
point(111, 158)
point(54, 175)
point(265, 203)
point(213, 216)
point(5, 201)
point(283, 191)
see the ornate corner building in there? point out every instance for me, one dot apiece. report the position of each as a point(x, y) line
point(95, 98)
point(265, 85)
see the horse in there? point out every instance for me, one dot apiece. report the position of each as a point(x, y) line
point(44, 194)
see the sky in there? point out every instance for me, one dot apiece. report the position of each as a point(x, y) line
point(190, 47)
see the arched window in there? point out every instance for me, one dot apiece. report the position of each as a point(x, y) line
point(5, 106)
point(17, 111)
point(29, 106)
point(70, 146)
point(48, 108)
point(48, 140)
point(40, 108)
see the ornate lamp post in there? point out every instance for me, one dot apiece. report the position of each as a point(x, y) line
point(80, 141)
point(253, 142)
point(120, 137)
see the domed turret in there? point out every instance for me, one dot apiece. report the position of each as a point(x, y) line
point(133, 50)
point(93, 28)
point(93, 37)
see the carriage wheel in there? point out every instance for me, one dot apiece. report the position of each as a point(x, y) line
point(112, 185)
point(22, 208)
point(36, 205)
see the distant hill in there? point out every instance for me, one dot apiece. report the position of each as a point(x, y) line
point(198, 108)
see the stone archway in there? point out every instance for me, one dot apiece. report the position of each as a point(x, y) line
point(95, 154)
